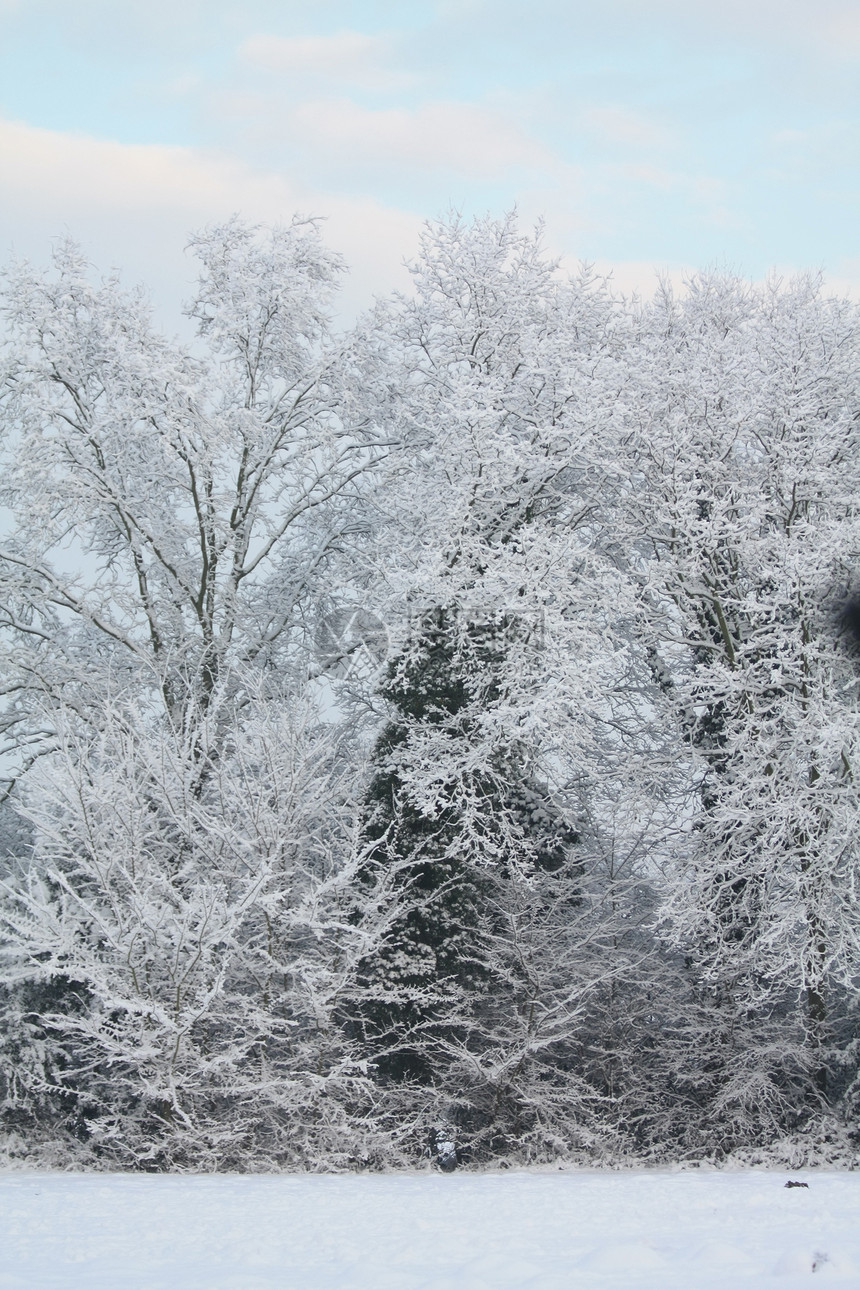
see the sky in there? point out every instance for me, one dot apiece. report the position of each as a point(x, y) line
point(651, 136)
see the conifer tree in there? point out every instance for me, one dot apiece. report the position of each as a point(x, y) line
point(487, 822)
point(500, 366)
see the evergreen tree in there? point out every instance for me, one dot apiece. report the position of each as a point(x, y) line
point(487, 821)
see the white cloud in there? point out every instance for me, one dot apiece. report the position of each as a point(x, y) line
point(843, 279)
point(639, 277)
point(791, 137)
point(134, 205)
point(350, 57)
point(116, 27)
point(708, 191)
point(620, 125)
point(72, 173)
point(841, 31)
point(462, 137)
point(658, 177)
point(832, 26)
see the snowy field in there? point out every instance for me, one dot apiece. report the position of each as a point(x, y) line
point(550, 1231)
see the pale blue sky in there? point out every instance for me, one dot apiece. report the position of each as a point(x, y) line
point(660, 134)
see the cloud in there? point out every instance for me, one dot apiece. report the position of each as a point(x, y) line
point(827, 151)
point(812, 29)
point(844, 278)
point(74, 172)
point(841, 31)
point(830, 26)
point(791, 137)
point(665, 181)
point(118, 28)
point(639, 277)
point(450, 136)
point(620, 125)
point(134, 205)
point(350, 57)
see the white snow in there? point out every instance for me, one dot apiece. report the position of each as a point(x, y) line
point(572, 1230)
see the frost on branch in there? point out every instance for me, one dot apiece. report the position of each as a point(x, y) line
point(572, 873)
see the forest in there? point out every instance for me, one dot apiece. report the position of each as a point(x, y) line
point(435, 739)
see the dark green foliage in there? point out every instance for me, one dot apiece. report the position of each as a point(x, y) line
point(36, 1085)
point(488, 821)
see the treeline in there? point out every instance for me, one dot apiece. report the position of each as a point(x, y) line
point(439, 739)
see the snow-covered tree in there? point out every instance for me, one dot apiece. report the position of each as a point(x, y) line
point(170, 511)
point(576, 872)
point(504, 373)
point(177, 951)
point(741, 432)
point(184, 954)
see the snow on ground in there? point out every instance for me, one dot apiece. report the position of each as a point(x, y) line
point(574, 1230)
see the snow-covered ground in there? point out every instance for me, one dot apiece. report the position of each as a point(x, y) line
point(550, 1231)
